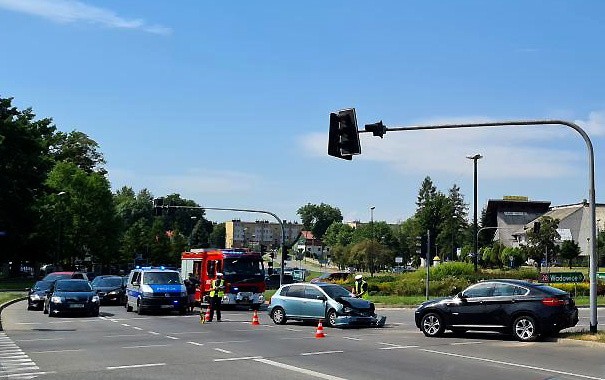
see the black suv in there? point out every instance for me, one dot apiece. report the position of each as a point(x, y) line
point(524, 309)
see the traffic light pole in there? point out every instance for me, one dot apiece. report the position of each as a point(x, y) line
point(378, 129)
point(281, 224)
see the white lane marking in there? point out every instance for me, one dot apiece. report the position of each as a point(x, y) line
point(514, 365)
point(38, 339)
point(54, 351)
point(13, 355)
point(351, 338)
point(28, 323)
point(389, 344)
point(196, 343)
point(136, 366)
point(242, 358)
point(464, 343)
point(149, 345)
point(298, 369)
point(321, 352)
point(172, 337)
point(125, 325)
point(28, 375)
point(397, 347)
point(223, 351)
point(137, 328)
point(153, 332)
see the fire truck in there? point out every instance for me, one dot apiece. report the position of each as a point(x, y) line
point(243, 272)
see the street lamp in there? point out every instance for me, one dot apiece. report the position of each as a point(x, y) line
point(58, 252)
point(475, 158)
point(372, 241)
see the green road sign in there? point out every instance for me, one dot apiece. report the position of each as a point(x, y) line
point(561, 277)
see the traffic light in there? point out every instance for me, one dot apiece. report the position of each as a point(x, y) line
point(536, 227)
point(421, 246)
point(377, 129)
point(343, 140)
point(158, 204)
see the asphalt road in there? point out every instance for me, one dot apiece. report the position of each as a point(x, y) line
point(121, 345)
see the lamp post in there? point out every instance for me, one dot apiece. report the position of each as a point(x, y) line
point(475, 158)
point(372, 241)
point(58, 252)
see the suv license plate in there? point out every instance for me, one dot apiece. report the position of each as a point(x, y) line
point(76, 305)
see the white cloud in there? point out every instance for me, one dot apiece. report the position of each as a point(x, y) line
point(71, 11)
point(595, 125)
point(193, 183)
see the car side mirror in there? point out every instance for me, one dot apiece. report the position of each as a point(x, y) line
point(136, 283)
point(461, 296)
point(322, 297)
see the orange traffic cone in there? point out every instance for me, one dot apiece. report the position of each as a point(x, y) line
point(205, 317)
point(320, 331)
point(255, 321)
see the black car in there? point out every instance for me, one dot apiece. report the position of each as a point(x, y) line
point(72, 296)
point(37, 295)
point(272, 281)
point(525, 310)
point(110, 289)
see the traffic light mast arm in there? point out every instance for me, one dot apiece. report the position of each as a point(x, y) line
point(160, 205)
point(593, 254)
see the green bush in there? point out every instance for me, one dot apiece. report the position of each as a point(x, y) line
point(580, 289)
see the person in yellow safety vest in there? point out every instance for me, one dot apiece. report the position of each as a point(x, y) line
point(360, 287)
point(217, 291)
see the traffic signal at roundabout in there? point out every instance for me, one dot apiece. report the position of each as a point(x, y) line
point(343, 140)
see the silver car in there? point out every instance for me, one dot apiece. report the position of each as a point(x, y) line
point(321, 301)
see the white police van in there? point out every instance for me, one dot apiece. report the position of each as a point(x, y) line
point(155, 288)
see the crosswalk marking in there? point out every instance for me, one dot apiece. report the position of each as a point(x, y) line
point(14, 363)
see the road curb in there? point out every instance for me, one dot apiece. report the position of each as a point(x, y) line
point(8, 304)
point(579, 342)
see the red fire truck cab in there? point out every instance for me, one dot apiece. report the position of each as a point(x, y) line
point(243, 272)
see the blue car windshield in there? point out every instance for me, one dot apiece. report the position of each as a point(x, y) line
point(72, 286)
point(334, 291)
point(42, 285)
point(161, 278)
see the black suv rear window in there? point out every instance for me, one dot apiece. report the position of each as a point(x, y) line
point(550, 290)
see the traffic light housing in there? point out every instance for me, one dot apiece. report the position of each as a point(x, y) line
point(343, 140)
point(536, 227)
point(158, 205)
point(421, 246)
point(377, 129)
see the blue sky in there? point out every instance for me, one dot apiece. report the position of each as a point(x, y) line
point(227, 103)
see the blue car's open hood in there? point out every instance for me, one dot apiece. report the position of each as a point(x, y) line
point(356, 303)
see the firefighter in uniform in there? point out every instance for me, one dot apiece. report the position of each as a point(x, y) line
point(360, 287)
point(217, 291)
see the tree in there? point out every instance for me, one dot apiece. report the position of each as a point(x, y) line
point(218, 235)
point(429, 206)
point(24, 165)
point(569, 250)
point(87, 214)
point(317, 218)
point(76, 147)
point(452, 224)
point(539, 242)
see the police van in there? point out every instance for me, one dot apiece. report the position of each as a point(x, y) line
point(155, 288)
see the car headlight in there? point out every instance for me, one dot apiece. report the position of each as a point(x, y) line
point(147, 294)
point(347, 310)
point(95, 299)
point(114, 292)
point(34, 297)
point(55, 299)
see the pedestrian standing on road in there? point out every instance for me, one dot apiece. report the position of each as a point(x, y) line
point(191, 284)
point(360, 287)
point(217, 290)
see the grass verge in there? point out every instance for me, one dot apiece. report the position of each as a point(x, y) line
point(599, 337)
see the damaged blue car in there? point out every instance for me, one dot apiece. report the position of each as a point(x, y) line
point(321, 301)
